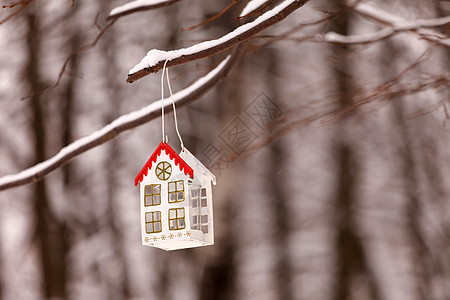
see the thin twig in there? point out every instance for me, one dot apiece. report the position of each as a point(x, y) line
point(383, 89)
point(211, 18)
point(69, 57)
point(24, 4)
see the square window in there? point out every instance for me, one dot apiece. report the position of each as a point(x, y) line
point(176, 219)
point(153, 222)
point(176, 191)
point(204, 202)
point(204, 219)
point(152, 194)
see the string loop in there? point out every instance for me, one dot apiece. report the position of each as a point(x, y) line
point(164, 138)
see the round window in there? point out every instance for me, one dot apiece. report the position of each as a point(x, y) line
point(163, 170)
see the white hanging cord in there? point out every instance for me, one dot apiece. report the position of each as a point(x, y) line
point(162, 102)
point(174, 109)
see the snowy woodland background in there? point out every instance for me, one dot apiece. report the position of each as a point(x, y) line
point(343, 195)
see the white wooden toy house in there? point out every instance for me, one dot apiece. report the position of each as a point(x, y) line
point(175, 200)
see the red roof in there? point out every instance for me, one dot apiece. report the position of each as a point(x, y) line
point(173, 156)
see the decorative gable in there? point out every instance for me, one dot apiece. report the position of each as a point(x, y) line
point(184, 167)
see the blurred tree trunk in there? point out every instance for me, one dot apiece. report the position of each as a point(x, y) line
point(409, 168)
point(278, 197)
point(352, 267)
point(217, 281)
point(118, 289)
point(50, 233)
point(67, 112)
point(218, 277)
point(437, 177)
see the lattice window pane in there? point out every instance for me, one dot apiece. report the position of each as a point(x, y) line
point(148, 217)
point(180, 213)
point(180, 196)
point(148, 190)
point(156, 189)
point(172, 224)
point(204, 219)
point(180, 185)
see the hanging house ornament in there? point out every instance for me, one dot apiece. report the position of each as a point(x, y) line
point(175, 196)
point(175, 200)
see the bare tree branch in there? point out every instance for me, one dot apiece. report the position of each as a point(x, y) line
point(136, 6)
point(155, 59)
point(395, 25)
point(121, 124)
point(23, 4)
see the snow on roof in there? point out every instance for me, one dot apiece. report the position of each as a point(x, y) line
point(173, 156)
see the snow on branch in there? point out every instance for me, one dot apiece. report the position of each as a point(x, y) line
point(121, 124)
point(154, 60)
point(138, 5)
point(252, 6)
point(387, 18)
point(395, 24)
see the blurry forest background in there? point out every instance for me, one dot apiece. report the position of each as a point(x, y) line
point(344, 195)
